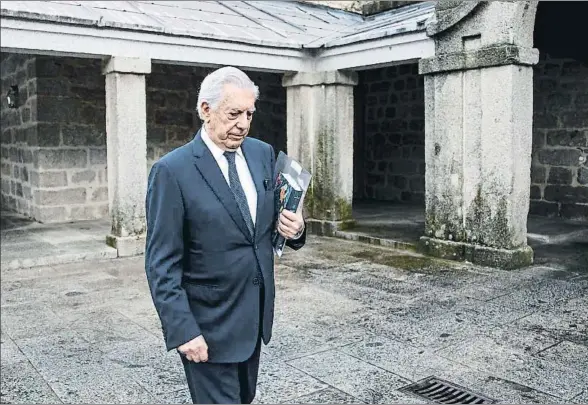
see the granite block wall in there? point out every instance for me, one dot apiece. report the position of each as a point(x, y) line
point(54, 166)
point(392, 155)
point(19, 133)
point(559, 172)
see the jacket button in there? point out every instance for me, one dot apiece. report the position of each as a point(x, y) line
point(255, 281)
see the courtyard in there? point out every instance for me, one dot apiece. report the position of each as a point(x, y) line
point(354, 323)
point(455, 129)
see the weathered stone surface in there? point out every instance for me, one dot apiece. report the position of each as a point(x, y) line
point(60, 197)
point(583, 175)
point(326, 396)
point(349, 317)
point(560, 175)
point(19, 131)
point(490, 56)
point(100, 194)
point(83, 135)
point(328, 97)
point(568, 194)
point(98, 156)
point(391, 130)
point(355, 377)
point(567, 354)
point(61, 158)
point(559, 157)
point(21, 383)
point(559, 109)
point(543, 208)
point(126, 111)
point(279, 381)
point(559, 381)
point(86, 176)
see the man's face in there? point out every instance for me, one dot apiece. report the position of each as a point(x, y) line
point(229, 123)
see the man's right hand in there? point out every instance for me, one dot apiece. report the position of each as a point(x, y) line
point(195, 350)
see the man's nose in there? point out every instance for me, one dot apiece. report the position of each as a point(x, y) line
point(243, 122)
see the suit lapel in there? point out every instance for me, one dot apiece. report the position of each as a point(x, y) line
point(213, 175)
point(255, 163)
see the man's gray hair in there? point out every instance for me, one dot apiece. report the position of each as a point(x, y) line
point(211, 89)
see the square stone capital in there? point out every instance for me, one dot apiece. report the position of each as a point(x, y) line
point(339, 77)
point(499, 55)
point(120, 64)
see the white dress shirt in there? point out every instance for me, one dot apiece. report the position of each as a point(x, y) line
point(242, 170)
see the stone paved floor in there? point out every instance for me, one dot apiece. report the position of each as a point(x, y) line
point(354, 323)
point(25, 243)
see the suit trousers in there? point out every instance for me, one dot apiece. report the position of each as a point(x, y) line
point(225, 383)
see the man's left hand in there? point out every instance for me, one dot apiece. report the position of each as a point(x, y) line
point(290, 224)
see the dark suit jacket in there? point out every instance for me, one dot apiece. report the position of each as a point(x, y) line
point(202, 264)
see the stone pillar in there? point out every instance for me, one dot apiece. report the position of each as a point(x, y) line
point(478, 129)
point(126, 147)
point(320, 137)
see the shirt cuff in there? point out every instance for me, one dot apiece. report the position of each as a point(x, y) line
point(299, 234)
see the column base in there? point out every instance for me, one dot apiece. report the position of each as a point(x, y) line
point(482, 255)
point(127, 246)
point(327, 228)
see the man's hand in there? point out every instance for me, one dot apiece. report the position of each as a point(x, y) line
point(290, 224)
point(195, 350)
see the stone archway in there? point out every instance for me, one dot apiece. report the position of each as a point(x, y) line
point(478, 128)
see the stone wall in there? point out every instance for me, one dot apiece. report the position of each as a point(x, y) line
point(172, 120)
point(392, 151)
point(54, 145)
point(18, 133)
point(70, 161)
point(560, 139)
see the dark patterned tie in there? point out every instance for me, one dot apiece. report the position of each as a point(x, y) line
point(238, 192)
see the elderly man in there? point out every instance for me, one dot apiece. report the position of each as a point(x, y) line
point(209, 258)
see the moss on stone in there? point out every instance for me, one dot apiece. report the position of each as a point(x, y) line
point(409, 262)
point(486, 229)
point(322, 201)
point(440, 225)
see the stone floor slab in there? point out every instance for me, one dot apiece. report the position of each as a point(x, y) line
point(567, 354)
point(176, 397)
point(9, 351)
point(559, 324)
point(328, 395)
point(278, 380)
point(30, 320)
point(355, 377)
point(490, 356)
point(159, 372)
point(497, 388)
point(402, 359)
point(79, 373)
point(106, 327)
point(540, 294)
point(22, 384)
point(528, 342)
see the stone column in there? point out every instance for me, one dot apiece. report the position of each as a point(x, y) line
point(478, 128)
point(126, 145)
point(320, 137)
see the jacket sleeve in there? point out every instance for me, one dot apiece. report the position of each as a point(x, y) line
point(292, 243)
point(164, 254)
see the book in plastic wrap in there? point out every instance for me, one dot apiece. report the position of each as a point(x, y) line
point(290, 186)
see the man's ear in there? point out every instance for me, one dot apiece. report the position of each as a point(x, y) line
point(205, 108)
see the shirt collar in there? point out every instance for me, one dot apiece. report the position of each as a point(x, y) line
point(216, 151)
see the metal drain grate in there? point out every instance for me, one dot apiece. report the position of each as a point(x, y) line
point(443, 392)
